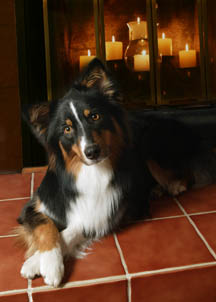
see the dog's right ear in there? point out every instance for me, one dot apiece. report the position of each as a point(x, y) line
point(37, 117)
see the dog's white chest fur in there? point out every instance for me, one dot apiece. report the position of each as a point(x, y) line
point(96, 201)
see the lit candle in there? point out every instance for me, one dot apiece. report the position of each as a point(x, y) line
point(137, 29)
point(84, 60)
point(114, 50)
point(141, 62)
point(187, 58)
point(164, 46)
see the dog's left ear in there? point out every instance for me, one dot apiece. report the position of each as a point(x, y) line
point(96, 76)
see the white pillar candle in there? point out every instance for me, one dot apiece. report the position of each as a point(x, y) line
point(114, 50)
point(137, 29)
point(84, 60)
point(187, 58)
point(141, 62)
point(164, 46)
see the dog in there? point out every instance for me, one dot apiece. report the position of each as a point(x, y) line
point(103, 165)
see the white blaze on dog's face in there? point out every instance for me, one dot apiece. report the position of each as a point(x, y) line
point(89, 151)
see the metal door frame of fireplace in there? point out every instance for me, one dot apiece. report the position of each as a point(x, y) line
point(151, 14)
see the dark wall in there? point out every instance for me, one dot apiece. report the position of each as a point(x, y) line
point(32, 72)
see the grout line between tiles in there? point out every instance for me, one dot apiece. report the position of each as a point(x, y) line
point(128, 276)
point(8, 236)
point(161, 218)
point(107, 279)
point(81, 283)
point(18, 198)
point(13, 291)
point(124, 277)
point(202, 213)
point(29, 280)
point(196, 229)
point(174, 269)
point(32, 185)
point(29, 291)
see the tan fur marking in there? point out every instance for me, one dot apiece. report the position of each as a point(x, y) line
point(38, 111)
point(76, 150)
point(86, 112)
point(37, 205)
point(69, 122)
point(72, 160)
point(52, 161)
point(43, 237)
point(93, 78)
point(46, 236)
point(99, 77)
point(24, 239)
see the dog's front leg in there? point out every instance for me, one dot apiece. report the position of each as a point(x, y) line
point(47, 259)
point(73, 242)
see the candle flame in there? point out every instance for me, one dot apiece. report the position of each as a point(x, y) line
point(113, 38)
point(138, 20)
point(163, 36)
point(144, 52)
point(186, 47)
point(89, 52)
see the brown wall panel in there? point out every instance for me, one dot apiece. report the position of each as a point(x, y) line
point(10, 126)
point(8, 57)
point(10, 138)
point(7, 13)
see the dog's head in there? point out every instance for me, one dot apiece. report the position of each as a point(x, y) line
point(86, 125)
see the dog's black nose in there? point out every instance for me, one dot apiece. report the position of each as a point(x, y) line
point(92, 151)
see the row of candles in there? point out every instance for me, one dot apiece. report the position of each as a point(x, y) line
point(114, 50)
point(187, 58)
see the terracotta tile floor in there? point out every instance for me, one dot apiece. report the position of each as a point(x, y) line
point(170, 257)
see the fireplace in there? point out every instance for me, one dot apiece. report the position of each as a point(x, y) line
point(161, 52)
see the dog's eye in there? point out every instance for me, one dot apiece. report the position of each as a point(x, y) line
point(95, 117)
point(68, 129)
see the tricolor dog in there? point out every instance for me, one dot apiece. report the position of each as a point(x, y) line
point(103, 163)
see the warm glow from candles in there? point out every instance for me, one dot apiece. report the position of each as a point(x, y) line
point(187, 58)
point(114, 50)
point(138, 20)
point(89, 52)
point(141, 62)
point(164, 46)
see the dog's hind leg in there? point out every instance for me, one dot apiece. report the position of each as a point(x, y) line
point(166, 179)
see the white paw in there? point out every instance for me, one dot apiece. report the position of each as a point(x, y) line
point(52, 266)
point(176, 187)
point(82, 250)
point(31, 266)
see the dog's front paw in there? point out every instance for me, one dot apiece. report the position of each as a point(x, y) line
point(52, 267)
point(31, 266)
point(80, 251)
